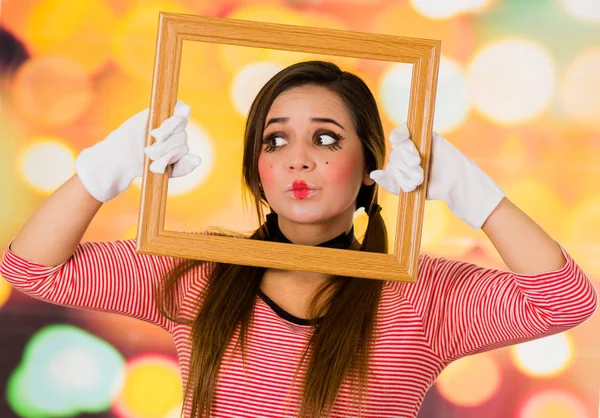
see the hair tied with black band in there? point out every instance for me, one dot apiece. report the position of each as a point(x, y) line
point(374, 210)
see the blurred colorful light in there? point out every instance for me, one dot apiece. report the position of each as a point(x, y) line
point(234, 57)
point(470, 381)
point(435, 9)
point(5, 291)
point(248, 82)
point(152, 388)
point(52, 91)
point(134, 38)
point(512, 80)
point(79, 31)
point(553, 403)
point(544, 357)
point(175, 412)
point(46, 163)
point(65, 371)
point(588, 10)
point(452, 100)
point(581, 230)
point(581, 88)
point(537, 199)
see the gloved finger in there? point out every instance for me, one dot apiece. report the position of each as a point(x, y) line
point(158, 149)
point(385, 180)
point(402, 171)
point(405, 155)
point(172, 156)
point(409, 179)
point(417, 175)
point(170, 126)
point(377, 175)
point(182, 109)
point(185, 165)
point(410, 153)
point(399, 134)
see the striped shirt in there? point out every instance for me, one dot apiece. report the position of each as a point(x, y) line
point(456, 309)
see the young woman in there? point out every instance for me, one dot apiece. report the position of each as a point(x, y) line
point(263, 342)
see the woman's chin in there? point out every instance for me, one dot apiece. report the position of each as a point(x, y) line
point(309, 215)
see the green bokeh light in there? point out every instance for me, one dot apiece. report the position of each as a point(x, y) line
point(65, 371)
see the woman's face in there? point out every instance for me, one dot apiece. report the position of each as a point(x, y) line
point(311, 164)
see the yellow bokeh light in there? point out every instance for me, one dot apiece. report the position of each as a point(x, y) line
point(553, 403)
point(581, 88)
point(121, 7)
point(248, 82)
point(235, 57)
point(437, 236)
point(453, 101)
point(545, 357)
point(152, 388)
point(582, 232)
point(15, 18)
point(134, 39)
point(512, 80)
point(435, 9)
point(400, 19)
point(541, 202)
point(587, 10)
point(198, 70)
point(212, 110)
point(5, 291)
point(52, 91)
point(46, 163)
point(119, 96)
point(175, 412)
point(360, 222)
point(470, 381)
point(19, 201)
point(79, 31)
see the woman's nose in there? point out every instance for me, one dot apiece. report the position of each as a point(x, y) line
point(300, 160)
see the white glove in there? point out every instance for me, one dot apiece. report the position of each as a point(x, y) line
point(107, 168)
point(469, 193)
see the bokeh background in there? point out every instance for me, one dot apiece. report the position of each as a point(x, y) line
point(519, 93)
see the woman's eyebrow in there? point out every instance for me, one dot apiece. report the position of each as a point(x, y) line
point(276, 120)
point(327, 120)
point(284, 120)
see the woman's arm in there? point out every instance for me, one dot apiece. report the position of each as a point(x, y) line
point(523, 245)
point(52, 233)
point(467, 309)
point(46, 261)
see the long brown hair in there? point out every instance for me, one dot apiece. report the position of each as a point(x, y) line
point(346, 307)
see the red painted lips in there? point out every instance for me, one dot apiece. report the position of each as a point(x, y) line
point(300, 189)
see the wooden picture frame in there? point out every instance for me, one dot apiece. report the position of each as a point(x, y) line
point(423, 54)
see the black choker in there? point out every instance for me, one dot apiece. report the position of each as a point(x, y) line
point(343, 241)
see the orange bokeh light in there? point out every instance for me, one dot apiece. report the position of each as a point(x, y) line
point(470, 381)
point(402, 20)
point(77, 30)
point(52, 91)
point(553, 403)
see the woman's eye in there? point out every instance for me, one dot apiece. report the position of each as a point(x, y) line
point(278, 141)
point(325, 139)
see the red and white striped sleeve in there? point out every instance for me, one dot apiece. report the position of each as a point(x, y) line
point(468, 309)
point(105, 276)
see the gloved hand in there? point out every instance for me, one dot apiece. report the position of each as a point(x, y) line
point(469, 193)
point(107, 168)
